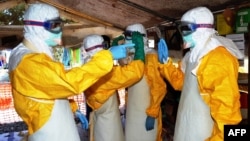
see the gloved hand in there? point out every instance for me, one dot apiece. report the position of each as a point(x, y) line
point(150, 122)
point(120, 51)
point(137, 39)
point(83, 119)
point(116, 40)
point(162, 51)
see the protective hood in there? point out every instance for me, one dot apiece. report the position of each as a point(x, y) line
point(136, 27)
point(200, 15)
point(140, 28)
point(85, 57)
point(206, 39)
point(92, 44)
point(38, 34)
point(229, 45)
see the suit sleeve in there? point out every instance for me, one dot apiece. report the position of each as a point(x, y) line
point(219, 79)
point(157, 85)
point(172, 74)
point(40, 77)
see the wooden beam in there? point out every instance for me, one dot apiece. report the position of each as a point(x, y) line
point(78, 16)
point(19, 28)
point(77, 13)
point(148, 10)
point(78, 26)
point(78, 19)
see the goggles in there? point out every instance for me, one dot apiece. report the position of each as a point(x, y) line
point(105, 45)
point(54, 26)
point(186, 28)
point(128, 34)
point(94, 47)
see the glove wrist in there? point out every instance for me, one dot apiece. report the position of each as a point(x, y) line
point(139, 46)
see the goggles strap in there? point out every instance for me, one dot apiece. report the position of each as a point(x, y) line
point(94, 47)
point(204, 25)
point(36, 23)
point(48, 25)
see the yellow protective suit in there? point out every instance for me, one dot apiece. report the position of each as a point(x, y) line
point(35, 89)
point(158, 90)
point(119, 77)
point(217, 80)
point(144, 99)
point(102, 98)
point(73, 105)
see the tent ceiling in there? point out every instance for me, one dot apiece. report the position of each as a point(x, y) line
point(111, 17)
point(120, 13)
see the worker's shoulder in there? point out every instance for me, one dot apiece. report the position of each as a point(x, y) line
point(220, 55)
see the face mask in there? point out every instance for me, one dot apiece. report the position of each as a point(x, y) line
point(188, 41)
point(54, 39)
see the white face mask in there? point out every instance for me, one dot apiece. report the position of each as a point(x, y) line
point(54, 39)
point(188, 41)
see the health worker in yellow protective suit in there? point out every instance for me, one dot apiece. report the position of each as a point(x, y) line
point(207, 76)
point(143, 111)
point(41, 86)
point(102, 96)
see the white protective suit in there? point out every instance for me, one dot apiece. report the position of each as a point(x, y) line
point(102, 96)
point(41, 86)
point(207, 77)
point(145, 97)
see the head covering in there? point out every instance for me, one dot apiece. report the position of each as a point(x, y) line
point(206, 38)
point(38, 34)
point(136, 27)
point(200, 15)
point(93, 43)
point(140, 28)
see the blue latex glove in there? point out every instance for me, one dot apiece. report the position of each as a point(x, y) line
point(83, 119)
point(120, 51)
point(150, 123)
point(162, 51)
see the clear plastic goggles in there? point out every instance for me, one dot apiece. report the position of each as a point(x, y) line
point(186, 28)
point(54, 26)
point(104, 45)
point(128, 34)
